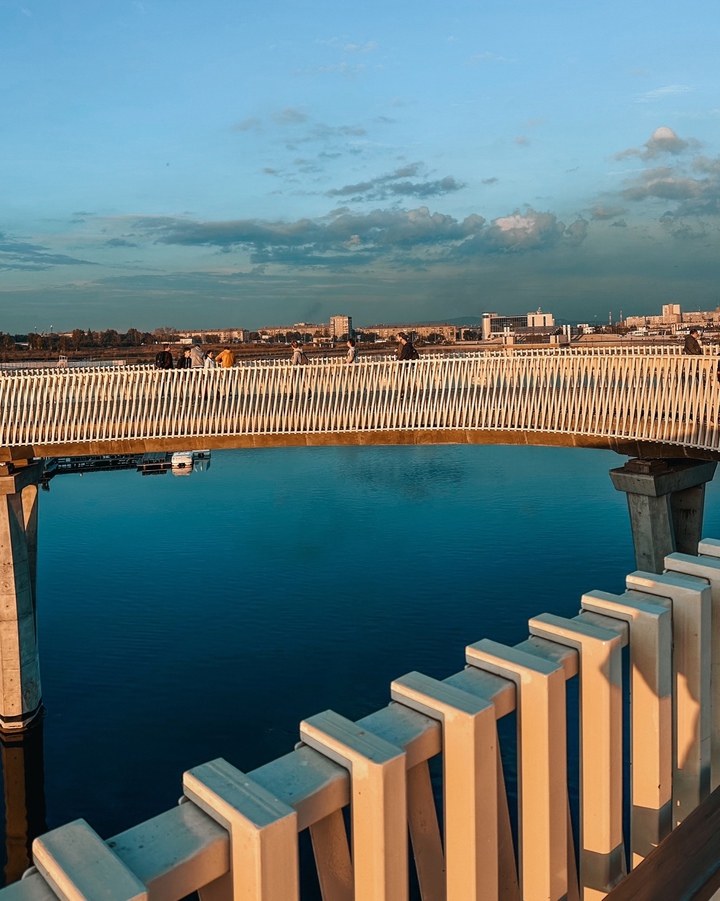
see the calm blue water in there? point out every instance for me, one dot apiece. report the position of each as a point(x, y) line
point(183, 619)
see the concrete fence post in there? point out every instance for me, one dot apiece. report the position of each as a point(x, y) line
point(469, 782)
point(689, 599)
point(648, 624)
point(542, 765)
point(602, 855)
point(378, 803)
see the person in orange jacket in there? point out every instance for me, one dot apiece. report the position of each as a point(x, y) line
point(225, 359)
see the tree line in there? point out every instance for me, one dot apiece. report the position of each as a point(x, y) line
point(79, 339)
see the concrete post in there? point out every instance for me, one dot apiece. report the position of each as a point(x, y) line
point(666, 499)
point(20, 694)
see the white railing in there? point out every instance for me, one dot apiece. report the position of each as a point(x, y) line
point(659, 397)
point(235, 835)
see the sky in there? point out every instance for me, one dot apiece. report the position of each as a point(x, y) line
point(166, 163)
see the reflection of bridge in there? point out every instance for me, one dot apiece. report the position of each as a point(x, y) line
point(237, 835)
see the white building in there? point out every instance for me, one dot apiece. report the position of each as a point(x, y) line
point(340, 326)
point(494, 325)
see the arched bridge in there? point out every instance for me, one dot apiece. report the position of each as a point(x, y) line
point(640, 402)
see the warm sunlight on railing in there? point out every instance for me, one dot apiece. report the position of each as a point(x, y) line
point(659, 397)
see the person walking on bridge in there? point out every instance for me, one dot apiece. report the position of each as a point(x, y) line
point(197, 357)
point(299, 357)
point(352, 353)
point(163, 358)
point(183, 361)
point(692, 344)
point(225, 359)
point(406, 349)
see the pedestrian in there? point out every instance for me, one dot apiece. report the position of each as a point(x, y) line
point(352, 353)
point(183, 361)
point(692, 344)
point(406, 349)
point(209, 361)
point(163, 358)
point(197, 357)
point(226, 358)
point(299, 357)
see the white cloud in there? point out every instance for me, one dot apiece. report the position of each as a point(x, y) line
point(670, 90)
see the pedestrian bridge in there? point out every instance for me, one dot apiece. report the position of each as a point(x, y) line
point(638, 401)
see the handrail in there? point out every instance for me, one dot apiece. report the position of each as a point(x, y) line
point(661, 397)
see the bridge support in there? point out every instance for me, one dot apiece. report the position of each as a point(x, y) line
point(20, 695)
point(666, 499)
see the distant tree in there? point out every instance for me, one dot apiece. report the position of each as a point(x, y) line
point(369, 337)
point(434, 338)
point(470, 335)
point(35, 341)
point(7, 341)
point(132, 338)
point(77, 338)
point(254, 336)
point(110, 338)
point(164, 334)
point(64, 343)
point(212, 339)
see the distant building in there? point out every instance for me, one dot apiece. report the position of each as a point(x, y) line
point(223, 335)
point(494, 325)
point(306, 330)
point(340, 326)
point(672, 319)
point(446, 332)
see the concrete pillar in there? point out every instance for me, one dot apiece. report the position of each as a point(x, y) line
point(666, 499)
point(20, 694)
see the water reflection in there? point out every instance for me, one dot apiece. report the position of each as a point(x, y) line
point(24, 784)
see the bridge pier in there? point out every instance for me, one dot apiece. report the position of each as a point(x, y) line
point(20, 694)
point(666, 500)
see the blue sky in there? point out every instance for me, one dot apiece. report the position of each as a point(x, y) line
point(218, 164)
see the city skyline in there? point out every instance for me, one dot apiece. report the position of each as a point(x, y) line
point(165, 163)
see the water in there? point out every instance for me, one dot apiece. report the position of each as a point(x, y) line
point(184, 619)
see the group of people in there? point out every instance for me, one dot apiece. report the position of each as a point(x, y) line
point(194, 357)
point(406, 351)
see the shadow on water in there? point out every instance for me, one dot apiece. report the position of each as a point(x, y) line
point(24, 788)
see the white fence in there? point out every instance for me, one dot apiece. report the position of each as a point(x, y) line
point(655, 395)
point(235, 835)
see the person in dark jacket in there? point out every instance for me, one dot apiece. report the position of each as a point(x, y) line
point(163, 358)
point(183, 361)
point(406, 349)
point(692, 345)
